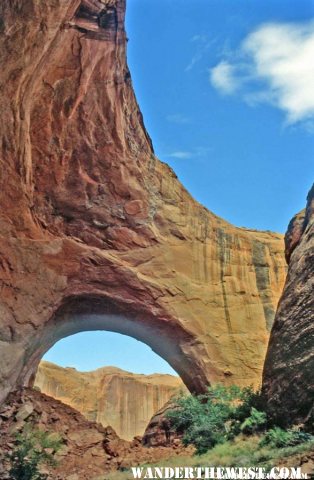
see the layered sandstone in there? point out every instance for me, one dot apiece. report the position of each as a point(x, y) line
point(95, 231)
point(288, 373)
point(108, 395)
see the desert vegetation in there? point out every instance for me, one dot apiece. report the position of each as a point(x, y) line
point(243, 451)
point(229, 426)
point(223, 413)
point(34, 449)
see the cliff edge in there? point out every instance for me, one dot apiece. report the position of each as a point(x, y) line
point(288, 372)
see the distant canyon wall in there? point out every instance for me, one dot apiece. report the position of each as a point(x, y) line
point(110, 396)
point(96, 233)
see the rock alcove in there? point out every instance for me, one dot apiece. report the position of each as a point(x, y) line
point(97, 19)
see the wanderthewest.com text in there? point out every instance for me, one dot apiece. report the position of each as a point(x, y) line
point(231, 473)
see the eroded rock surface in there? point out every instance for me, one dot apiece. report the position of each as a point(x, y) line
point(159, 431)
point(95, 231)
point(288, 373)
point(88, 450)
point(108, 395)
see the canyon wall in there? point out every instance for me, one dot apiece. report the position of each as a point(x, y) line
point(288, 373)
point(108, 395)
point(97, 233)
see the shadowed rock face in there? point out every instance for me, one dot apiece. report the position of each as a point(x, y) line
point(288, 373)
point(108, 395)
point(96, 232)
point(159, 431)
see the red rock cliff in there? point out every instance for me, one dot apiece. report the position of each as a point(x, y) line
point(288, 373)
point(95, 231)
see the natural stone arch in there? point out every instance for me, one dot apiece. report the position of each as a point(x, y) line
point(78, 314)
point(88, 211)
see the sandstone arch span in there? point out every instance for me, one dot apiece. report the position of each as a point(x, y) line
point(79, 314)
point(87, 210)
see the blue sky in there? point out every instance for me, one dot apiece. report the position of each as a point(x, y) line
point(238, 156)
point(226, 88)
point(90, 350)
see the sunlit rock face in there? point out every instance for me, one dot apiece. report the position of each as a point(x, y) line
point(288, 373)
point(108, 395)
point(96, 232)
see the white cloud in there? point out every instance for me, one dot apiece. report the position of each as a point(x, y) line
point(195, 59)
point(197, 153)
point(178, 118)
point(197, 38)
point(181, 155)
point(275, 65)
point(223, 78)
point(202, 45)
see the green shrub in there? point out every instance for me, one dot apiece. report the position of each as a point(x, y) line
point(218, 415)
point(299, 437)
point(248, 399)
point(254, 423)
point(223, 413)
point(33, 449)
point(279, 438)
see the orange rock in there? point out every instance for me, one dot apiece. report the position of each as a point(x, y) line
point(109, 395)
point(75, 158)
point(134, 207)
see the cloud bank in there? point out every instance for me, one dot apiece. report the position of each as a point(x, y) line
point(274, 64)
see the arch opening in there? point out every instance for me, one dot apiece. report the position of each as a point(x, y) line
point(86, 372)
point(89, 313)
point(90, 350)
